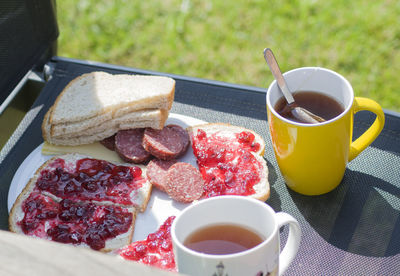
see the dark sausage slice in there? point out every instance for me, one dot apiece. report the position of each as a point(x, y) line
point(184, 182)
point(109, 142)
point(128, 144)
point(184, 136)
point(156, 172)
point(167, 143)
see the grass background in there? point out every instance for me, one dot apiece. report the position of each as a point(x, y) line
point(224, 40)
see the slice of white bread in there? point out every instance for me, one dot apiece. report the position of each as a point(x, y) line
point(101, 122)
point(154, 119)
point(97, 93)
point(74, 127)
point(17, 214)
point(74, 141)
point(262, 188)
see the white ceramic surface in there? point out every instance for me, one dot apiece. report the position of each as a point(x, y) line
point(264, 259)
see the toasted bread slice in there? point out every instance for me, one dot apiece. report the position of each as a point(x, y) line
point(93, 94)
point(255, 146)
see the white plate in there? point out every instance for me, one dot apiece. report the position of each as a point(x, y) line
point(160, 206)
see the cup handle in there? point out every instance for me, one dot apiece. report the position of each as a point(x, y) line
point(373, 131)
point(293, 242)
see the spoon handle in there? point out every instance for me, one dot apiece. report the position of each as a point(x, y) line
point(274, 67)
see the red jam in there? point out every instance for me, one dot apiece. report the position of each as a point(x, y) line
point(156, 250)
point(226, 164)
point(38, 209)
point(246, 139)
point(91, 179)
point(72, 222)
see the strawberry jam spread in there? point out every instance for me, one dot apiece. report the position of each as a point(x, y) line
point(227, 163)
point(156, 250)
point(72, 222)
point(91, 179)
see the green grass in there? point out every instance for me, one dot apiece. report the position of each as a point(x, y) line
point(224, 40)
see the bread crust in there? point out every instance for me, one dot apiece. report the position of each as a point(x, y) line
point(45, 125)
point(26, 191)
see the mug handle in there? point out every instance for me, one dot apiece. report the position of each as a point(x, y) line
point(373, 131)
point(293, 242)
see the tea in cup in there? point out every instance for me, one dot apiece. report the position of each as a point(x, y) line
point(313, 157)
point(233, 235)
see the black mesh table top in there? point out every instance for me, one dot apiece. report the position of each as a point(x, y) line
point(353, 230)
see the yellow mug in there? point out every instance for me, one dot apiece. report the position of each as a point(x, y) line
point(313, 157)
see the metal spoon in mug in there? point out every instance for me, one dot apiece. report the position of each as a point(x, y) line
point(301, 114)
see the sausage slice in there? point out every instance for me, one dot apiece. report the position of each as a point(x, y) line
point(168, 143)
point(156, 172)
point(109, 142)
point(128, 144)
point(184, 182)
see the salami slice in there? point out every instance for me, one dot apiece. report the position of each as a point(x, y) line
point(184, 136)
point(157, 171)
point(128, 144)
point(109, 142)
point(168, 143)
point(184, 182)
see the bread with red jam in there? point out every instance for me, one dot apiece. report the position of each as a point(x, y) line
point(230, 159)
point(110, 193)
point(82, 178)
point(101, 227)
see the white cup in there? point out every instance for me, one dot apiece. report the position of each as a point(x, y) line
point(239, 210)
